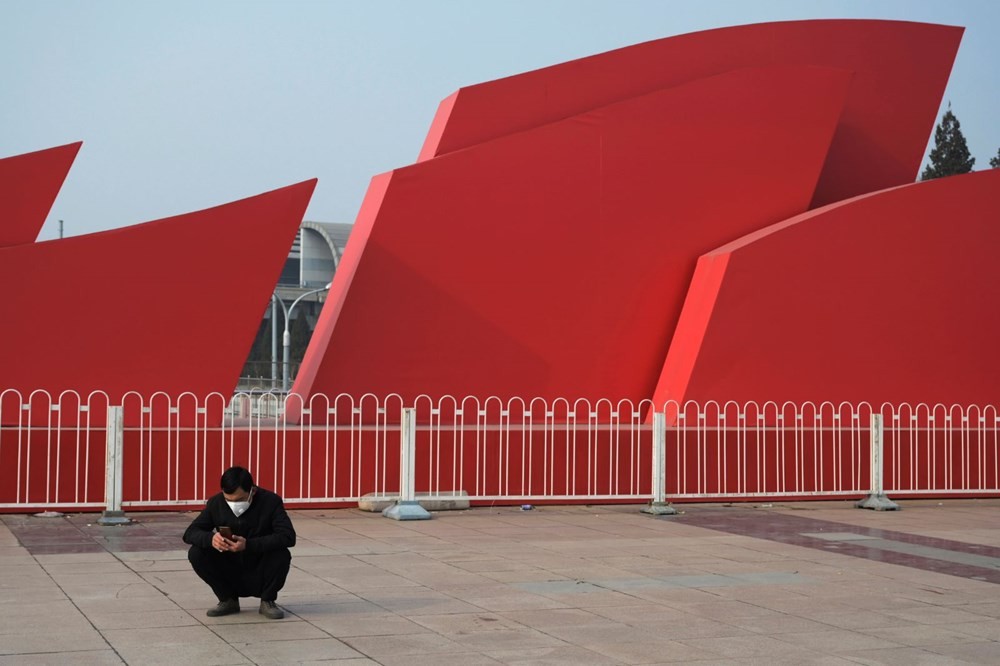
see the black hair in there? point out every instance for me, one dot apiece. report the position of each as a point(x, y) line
point(236, 477)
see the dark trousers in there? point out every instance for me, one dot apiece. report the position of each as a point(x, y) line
point(232, 575)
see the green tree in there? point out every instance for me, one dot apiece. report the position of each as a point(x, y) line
point(950, 155)
point(258, 363)
point(995, 161)
point(299, 334)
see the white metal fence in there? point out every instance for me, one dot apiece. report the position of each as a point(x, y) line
point(57, 451)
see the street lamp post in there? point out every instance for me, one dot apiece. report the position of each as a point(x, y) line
point(274, 337)
point(286, 338)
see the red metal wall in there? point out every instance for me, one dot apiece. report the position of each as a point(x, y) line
point(554, 262)
point(170, 306)
point(29, 184)
point(900, 71)
point(891, 297)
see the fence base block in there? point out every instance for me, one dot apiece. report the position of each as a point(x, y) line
point(406, 511)
point(659, 509)
point(379, 503)
point(113, 518)
point(877, 503)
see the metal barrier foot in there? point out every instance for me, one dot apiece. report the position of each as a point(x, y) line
point(659, 509)
point(877, 502)
point(113, 518)
point(406, 511)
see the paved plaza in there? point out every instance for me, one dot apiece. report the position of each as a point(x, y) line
point(795, 583)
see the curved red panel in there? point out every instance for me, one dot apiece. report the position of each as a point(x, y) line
point(29, 184)
point(901, 70)
point(170, 306)
point(553, 262)
point(890, 297)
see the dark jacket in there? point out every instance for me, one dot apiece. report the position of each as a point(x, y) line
point(265, 525)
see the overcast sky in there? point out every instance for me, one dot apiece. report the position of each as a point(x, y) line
point(184, 105)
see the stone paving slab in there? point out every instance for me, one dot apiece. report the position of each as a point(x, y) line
point(795, 583)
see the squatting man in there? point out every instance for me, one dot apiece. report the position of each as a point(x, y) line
point(239, 545)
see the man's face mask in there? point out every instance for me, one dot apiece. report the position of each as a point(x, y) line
point(239, 508)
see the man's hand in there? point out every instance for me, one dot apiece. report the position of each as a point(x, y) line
point(221, 544)
point(224, 545)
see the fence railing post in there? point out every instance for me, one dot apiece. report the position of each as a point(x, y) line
point(659, 506)
point(114, 443)
point(876, 498)
point(407, 507)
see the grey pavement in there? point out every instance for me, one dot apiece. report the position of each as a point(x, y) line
point(794, 583)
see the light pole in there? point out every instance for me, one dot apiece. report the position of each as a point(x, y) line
point(286, 338)
point(275, 299)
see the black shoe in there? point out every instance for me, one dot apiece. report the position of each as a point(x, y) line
point(270, 610)
point(225, 607)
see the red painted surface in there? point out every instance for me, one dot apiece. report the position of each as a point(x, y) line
point(168, 306)
point(901, 70)
point(29, 184)
point(554, 262)
point(889, 297)
point(63, 467)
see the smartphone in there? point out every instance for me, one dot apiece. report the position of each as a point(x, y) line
point(226, 532)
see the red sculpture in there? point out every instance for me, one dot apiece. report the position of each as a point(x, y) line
point(543, 246)
point(900, 72)
point(891, 297)
point(554, 262)
point(544, 243)
point(29, 184)
point(170, 306)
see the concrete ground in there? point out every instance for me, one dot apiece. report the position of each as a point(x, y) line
point(802, 583)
